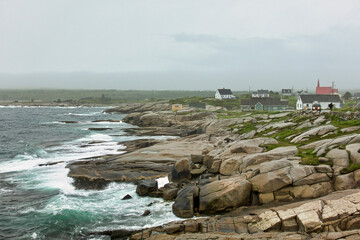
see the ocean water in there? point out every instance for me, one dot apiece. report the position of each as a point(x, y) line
point(40, 202)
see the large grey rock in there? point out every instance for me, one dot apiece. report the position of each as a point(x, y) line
point(350, 129)
point(184, 203)
point(229, 166)
point(314, 132)
point(299, 172)
point(321, 147)
point(274, 165)
point(313, 178)
point(277, 125)
point(224, 195)
point(145, 187)
point(271, 181)
point(275, 154)
point(319, 120)
point(181, 171)
point(154, 119)
point(249, 146)
point(340, 158)
point(170, 191)
point(309, 191)
point(345, 181)
point(354, 150)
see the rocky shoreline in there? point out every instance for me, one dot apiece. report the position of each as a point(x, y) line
point(291, 175)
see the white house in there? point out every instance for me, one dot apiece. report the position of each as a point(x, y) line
point(307, 101)
point(260, 94)
point(224, 94)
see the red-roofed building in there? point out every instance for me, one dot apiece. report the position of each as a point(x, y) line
point(325, 90)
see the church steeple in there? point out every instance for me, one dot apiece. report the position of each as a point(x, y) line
point(318, 83)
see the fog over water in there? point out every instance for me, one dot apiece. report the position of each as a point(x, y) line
point(192, 45)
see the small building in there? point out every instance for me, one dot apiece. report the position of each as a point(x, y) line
point(286, 92)
point(176, 107)
point(326, 90)
point(307, 101)
point(260, 94)
point(224, 94)
point(264, 104)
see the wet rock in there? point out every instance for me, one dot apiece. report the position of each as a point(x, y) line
point(186, 201)
point(99, 129)
point(170, 191)
point(198, 171)
point(146, 213)
point(181, 171)
point(224, 195)
point(69, 121)
point(127, 197)
point(197, 159)
point(156, 194)
point(50, 164)
point(174, 228)
point(138, 144)
point(145, 187)
point(191, 227)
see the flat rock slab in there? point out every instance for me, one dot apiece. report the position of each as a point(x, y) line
point(147, 163)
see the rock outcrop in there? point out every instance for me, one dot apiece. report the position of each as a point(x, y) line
point(336, 214)
point(224, 195)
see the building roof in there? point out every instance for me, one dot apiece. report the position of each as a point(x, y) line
point(261, 92)
point(325, 90)
point(264, 102)
point(225, 91)
point(320, 98)
point(286, 90)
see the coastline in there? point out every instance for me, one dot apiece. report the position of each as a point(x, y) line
point(207, 144)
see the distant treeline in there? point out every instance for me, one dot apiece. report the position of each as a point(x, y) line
point(98, 95)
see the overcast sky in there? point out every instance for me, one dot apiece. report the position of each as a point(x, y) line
point(182, 44)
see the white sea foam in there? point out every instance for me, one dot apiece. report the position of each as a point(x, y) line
point(162, 181)
point(84, 114)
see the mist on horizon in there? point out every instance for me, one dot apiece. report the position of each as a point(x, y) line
point(179, 45)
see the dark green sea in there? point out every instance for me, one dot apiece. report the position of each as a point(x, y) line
point(40, 202)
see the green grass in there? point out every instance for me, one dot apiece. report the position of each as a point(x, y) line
point(350, 169)
point(308, 157)
point(248, 127)
point(284, 133)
